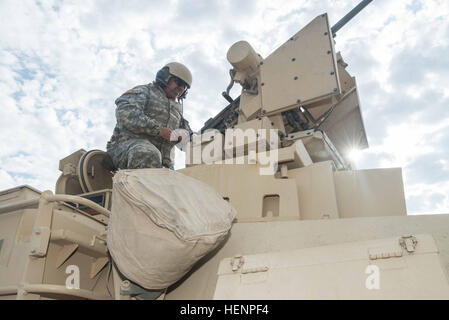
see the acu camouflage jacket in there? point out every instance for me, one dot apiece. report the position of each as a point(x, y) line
point(142, 112)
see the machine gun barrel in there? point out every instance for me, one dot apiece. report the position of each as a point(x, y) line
point(349, 16)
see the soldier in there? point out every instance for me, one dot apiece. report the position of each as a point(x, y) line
point(147, 119)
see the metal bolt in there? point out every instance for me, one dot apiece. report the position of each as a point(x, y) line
point(291, 137)
point(335, 89)
point(264, 111)
point(326, 33)
point(332, 73)
point(261, 63)
point(125, 285)
point(291, 38)
point(272, 123)
point(329, 52)
point(298, 101)
point(257, 134)
point(296, 78)
point(262, 84)
point(33, 251)
point(293, 59)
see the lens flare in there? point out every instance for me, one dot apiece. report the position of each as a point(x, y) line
point(354, 155)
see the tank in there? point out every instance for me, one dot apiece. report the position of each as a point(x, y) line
point(309, 225)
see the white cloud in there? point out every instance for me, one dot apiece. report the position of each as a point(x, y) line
point(64, 63)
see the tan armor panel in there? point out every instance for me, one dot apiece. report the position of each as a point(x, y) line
point(302, 70)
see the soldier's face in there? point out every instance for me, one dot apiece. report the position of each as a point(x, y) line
point(175, 90)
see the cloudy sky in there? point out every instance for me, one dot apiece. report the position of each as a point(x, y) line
point(63, 63)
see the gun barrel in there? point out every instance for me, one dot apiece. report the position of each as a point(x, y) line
point(349, 16)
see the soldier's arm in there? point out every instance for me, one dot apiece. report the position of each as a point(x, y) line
point(130, 113)
point(185, 125)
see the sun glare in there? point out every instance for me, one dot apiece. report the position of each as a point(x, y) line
point(355, 155)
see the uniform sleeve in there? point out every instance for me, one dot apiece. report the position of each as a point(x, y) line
point(130, 113)
point(185, 125)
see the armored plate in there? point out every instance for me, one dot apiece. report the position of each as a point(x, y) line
point(374, 269)
point(344, 126)
point(303, 69)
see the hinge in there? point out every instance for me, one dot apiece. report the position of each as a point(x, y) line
point(408, 242)
point(39, 241)
point(237, 262)
point(255, 270)
point(384, 252)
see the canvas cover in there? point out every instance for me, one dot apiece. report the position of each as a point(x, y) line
point(162, 222)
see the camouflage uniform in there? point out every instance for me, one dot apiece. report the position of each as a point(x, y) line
point(141, 113)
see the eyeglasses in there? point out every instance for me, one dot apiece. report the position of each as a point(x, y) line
point(180, 82)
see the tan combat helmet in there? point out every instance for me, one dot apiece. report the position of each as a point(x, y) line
point(181, 71)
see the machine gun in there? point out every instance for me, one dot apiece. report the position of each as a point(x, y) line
point(307, 104)
point(302, 85)
point(351, 14)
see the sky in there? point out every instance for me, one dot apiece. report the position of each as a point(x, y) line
point(63, 64)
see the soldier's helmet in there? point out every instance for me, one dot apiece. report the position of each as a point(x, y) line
point(175, 69)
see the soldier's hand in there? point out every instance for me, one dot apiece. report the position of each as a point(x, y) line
point(166, 133)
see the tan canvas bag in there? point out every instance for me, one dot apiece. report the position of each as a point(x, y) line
point(162, 222)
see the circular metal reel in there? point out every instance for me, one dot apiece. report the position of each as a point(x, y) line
point(93, 175)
